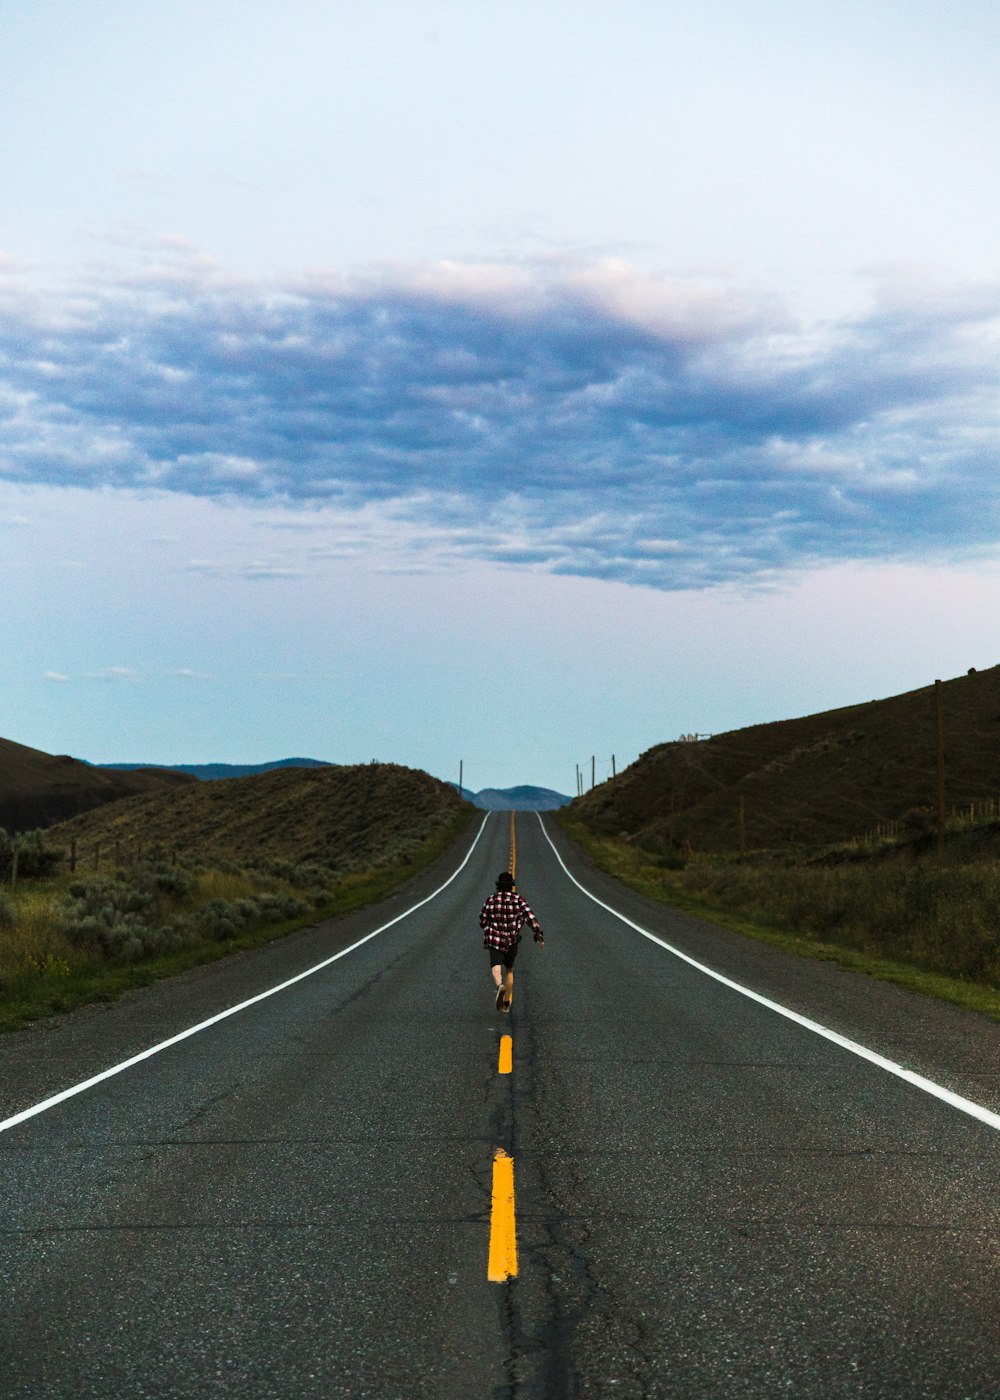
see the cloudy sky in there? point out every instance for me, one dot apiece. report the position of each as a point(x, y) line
point(445, 379)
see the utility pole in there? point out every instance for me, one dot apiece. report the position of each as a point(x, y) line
point(939, 726)
point(613, 773)
point(593, 771)
point(461, 764)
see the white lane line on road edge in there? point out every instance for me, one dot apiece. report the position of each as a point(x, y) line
point(938, 1091)
point(46, 1104)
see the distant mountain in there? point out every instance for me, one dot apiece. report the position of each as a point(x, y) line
point(37, 788)
point(212, 771)
point(517, 799)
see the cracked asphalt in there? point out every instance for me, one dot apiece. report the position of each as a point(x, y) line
point(711, 1201)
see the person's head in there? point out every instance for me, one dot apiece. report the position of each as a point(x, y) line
point(505, 880)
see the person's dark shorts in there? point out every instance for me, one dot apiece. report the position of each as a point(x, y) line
point(505, 956)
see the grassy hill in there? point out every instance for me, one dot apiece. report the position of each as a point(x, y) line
point(348, 818)
point(37, 789)
point(168, 879)
point(807, 782)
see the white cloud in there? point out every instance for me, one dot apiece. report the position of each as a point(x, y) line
point(213, 567)
point(261, 569)
point(113, 673)
point(248, 569)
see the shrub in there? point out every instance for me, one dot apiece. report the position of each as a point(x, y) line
point(225, 918)
point(34, 858)
point(129, 915)
point(312, 873)
point(170, 880)
point(918, 821)
point(113, 918)
point(281, 869)
point(281, 906)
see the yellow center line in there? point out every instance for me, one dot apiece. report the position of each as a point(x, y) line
point(503, 1232)
point(503, 1241)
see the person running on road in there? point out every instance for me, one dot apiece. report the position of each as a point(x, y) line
point(501, 918)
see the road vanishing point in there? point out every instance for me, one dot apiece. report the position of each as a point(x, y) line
point(684, 1165)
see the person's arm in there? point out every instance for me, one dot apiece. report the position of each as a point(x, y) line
point(529, 915)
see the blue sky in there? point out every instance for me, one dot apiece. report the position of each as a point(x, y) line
point(510, 383)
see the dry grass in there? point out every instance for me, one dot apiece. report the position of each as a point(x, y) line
point(30, 937)
point(929, 922)
point(77, 937)
point(225, 884)
point(939, 916)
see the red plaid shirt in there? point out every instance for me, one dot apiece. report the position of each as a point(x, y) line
point(502, 917)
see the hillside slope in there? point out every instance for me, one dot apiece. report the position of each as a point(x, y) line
point(39, 788)
point(348, 818)
point(810, 781)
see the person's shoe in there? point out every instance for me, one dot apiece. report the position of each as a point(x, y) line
point(501, 998)
point(508, 997)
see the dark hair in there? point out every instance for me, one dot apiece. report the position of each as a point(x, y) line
point(505, 880)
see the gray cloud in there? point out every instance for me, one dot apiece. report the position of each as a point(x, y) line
point(582, 420)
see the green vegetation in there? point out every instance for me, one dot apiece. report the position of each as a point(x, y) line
point(26, 855)
point(902, 914)
point(68, 937)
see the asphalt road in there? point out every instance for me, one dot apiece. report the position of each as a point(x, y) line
point(711, 1200)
